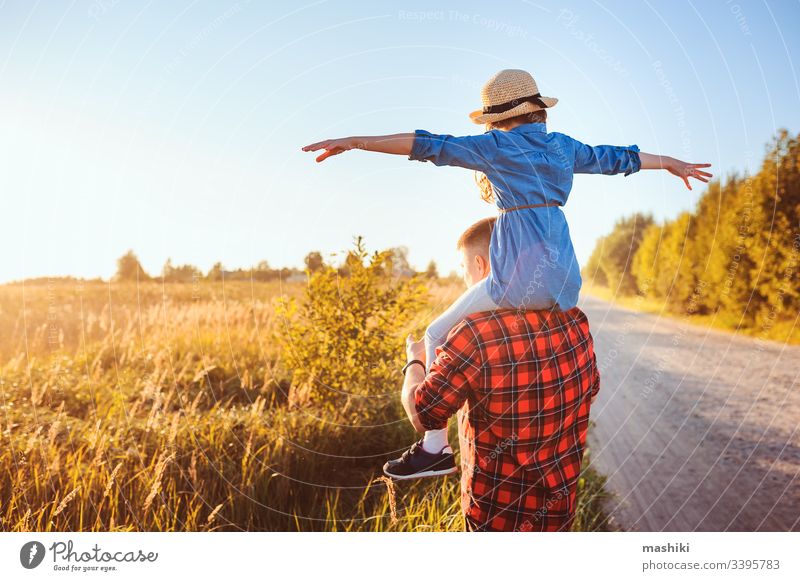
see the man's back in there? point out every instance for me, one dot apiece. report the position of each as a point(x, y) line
point(523, 381)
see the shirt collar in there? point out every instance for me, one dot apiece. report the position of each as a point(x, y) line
point(531, 128)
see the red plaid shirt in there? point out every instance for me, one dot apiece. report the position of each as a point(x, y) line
point(521, 382)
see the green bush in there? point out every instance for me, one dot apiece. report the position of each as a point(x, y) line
point(344, 341)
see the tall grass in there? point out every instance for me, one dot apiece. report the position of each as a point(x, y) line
point(165, 407)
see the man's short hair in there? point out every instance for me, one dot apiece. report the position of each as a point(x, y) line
point(477, 236)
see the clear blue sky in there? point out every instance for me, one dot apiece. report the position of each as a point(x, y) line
point(174, 128)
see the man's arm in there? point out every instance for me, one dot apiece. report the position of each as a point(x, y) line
point(429, 400)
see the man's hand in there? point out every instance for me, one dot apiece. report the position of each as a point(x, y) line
point(415, 349)
point(332, 147)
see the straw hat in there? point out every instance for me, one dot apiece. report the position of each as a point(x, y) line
point(509, 93)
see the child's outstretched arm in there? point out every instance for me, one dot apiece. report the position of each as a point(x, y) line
point(469, 151)
point(397, 144)
point(611, 159)
point(676, 167)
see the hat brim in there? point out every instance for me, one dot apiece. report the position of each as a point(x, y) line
point(480, 117)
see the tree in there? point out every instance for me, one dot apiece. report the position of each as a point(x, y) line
point(675, 236)
point(314, 261)
point(182, 273)
point(397, 262)
point(712, 238)
point(432, 271)
point(130, 269)
point(619, 247)
point(216, 272)
point(775, 246)
point(645, 262)
point(166, 270)
point(593, 271)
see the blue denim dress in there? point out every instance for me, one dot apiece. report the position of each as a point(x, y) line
point(533, 263)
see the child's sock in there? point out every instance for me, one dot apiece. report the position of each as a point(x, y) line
point(434, 440)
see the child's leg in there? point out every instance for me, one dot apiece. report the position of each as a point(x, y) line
point(474, 300)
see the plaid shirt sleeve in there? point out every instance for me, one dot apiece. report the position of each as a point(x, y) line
point(456, 368)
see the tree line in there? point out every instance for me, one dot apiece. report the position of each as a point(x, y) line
point(130, 269)
point(735, 256)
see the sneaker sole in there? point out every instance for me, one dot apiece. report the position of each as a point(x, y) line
point(425, 474)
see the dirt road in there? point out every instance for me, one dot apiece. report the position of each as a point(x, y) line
point(696, 429)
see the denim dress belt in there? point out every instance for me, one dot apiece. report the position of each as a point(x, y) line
point(548, 204)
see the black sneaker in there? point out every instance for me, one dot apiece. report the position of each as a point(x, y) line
point(417, 463)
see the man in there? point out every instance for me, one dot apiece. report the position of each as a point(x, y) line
point(522, 383)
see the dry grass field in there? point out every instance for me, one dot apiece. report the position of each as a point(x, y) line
point(165, 407)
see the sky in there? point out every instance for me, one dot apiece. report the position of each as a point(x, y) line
point(174, 128)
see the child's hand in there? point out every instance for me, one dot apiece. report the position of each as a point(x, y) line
point(688, 170)
point(415, 349)
point(331, 147)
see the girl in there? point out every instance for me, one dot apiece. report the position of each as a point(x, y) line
point(528, 173)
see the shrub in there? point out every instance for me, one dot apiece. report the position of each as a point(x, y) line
point(344, 342)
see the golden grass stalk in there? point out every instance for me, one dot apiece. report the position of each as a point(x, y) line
point(112, 479)
point(66, 500)
point(161, 466)
point(32, 439)
point(173, 430)
point(392, 495)
point(214, 513)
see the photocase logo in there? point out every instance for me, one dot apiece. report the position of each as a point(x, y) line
point(31, 554)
